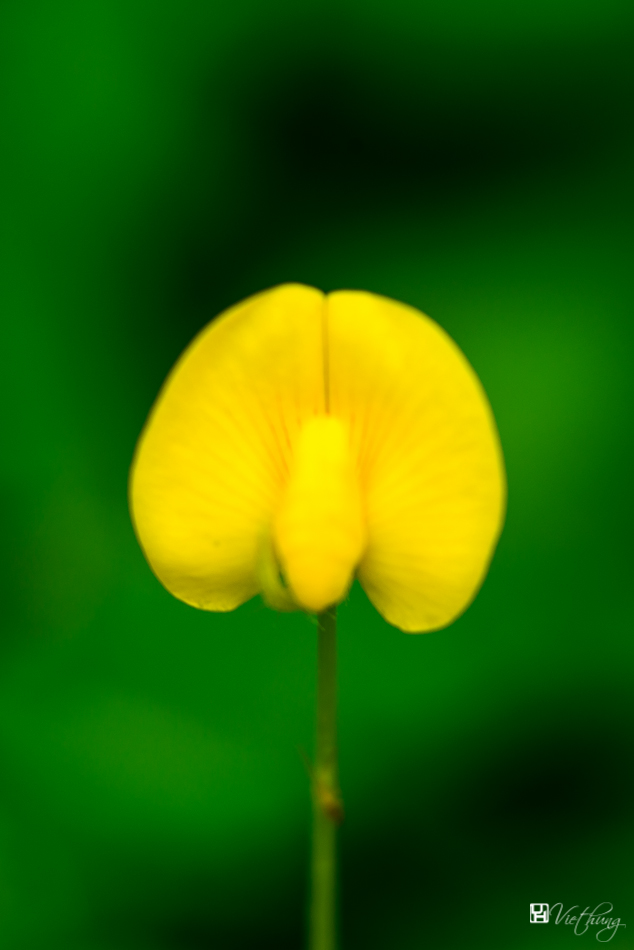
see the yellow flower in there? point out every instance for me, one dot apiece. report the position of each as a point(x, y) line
point(303, 439)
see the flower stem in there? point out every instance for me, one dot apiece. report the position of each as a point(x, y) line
point(327, 806)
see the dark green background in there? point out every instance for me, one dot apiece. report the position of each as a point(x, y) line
point(161, 161)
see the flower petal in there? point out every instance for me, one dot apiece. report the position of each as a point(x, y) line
point(319, 529)
point(213, 458)
point(429, 457)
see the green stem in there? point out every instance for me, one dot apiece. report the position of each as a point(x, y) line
point(327, 807)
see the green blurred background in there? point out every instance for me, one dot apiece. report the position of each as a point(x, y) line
point(161, 161)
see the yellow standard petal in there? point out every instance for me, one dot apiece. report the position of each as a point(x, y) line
point(213, 459)
point(428, 456)
point(301, 438)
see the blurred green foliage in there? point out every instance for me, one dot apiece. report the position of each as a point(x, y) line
point(161, 161)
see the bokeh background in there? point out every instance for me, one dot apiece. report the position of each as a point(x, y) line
point(159, 162)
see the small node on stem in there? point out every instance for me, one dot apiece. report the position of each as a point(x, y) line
point(329, 800)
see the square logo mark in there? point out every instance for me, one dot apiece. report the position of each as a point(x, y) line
point(539, 913)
